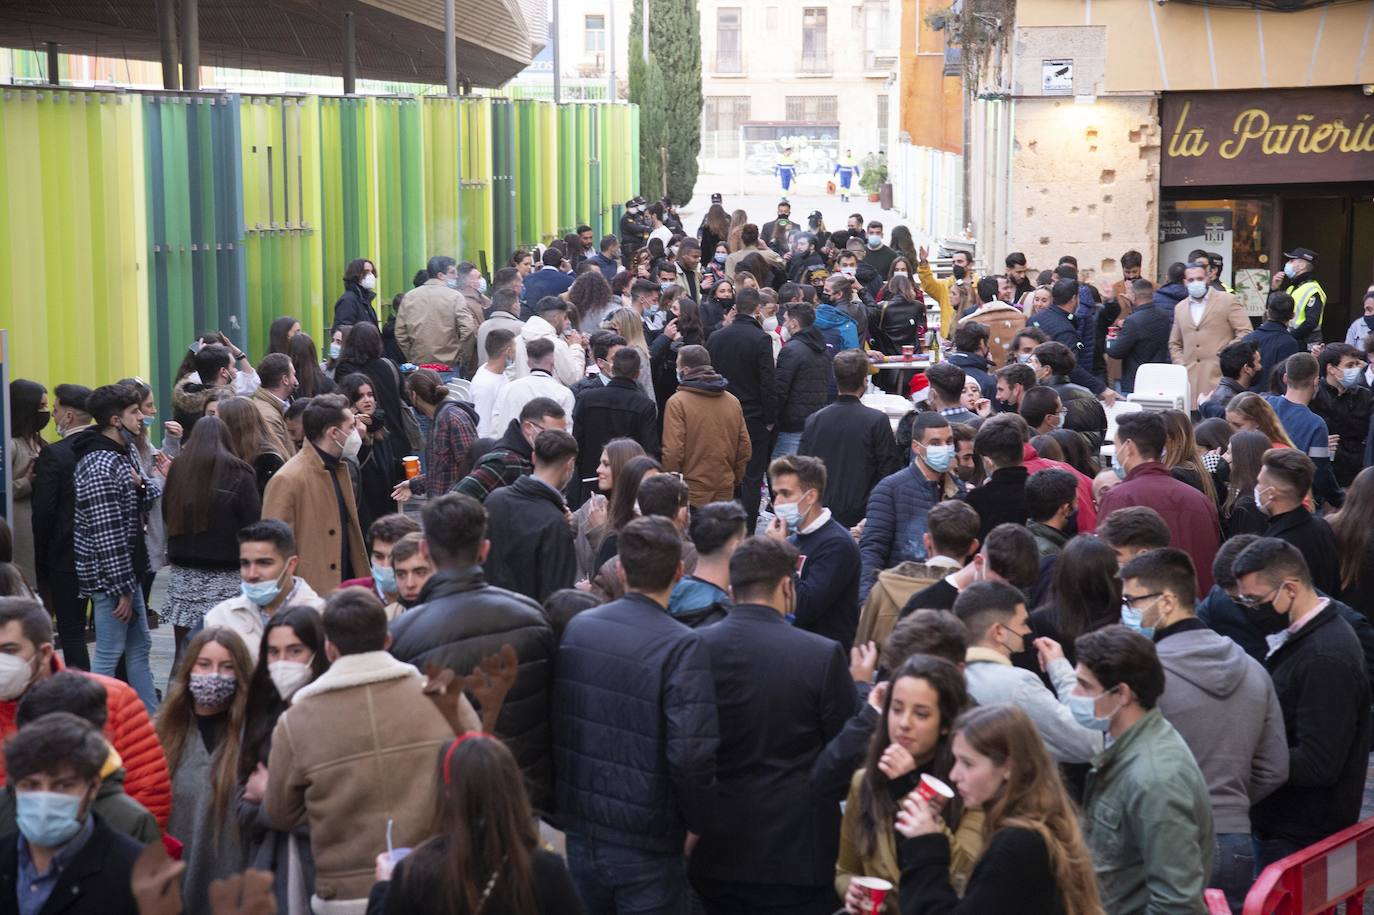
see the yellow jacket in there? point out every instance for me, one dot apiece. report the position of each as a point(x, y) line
point(965, 845)
point(938, 290)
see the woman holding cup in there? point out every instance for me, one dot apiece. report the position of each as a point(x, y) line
point(919, 706)
point(590, 525)
point(1035, 861)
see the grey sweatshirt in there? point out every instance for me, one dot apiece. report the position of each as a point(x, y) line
point(1223, 704)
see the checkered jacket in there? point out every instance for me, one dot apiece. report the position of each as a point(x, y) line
point(108, 524)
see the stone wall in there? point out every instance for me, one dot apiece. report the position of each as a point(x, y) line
point(1085, 181)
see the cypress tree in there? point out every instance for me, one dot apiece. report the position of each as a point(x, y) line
point(668, 92)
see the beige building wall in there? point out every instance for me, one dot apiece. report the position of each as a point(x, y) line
point(1077, 170)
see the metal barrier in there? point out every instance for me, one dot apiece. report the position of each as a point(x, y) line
point(1319, 878)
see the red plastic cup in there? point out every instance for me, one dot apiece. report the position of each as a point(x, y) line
point(875, 890)
point(412, 466)
point(908, 353)
point(933, 791)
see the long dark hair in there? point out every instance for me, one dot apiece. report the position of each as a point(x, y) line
point(689, 318)
point(626, 493)
point(207, 464)
point(352, 388)
point(1085, 588)
point(717, 221)
point(279, 334)
point(1076, 453)
point(363, 344)
point(483, 828)
point(877, 805)
point(25, 396)
point(265, 704)
point(902, 242)
point(1247, 455)
point(1351, 525)
point(310, 380)
point(755, 264)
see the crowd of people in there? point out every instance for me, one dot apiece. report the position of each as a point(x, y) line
point(598, 586)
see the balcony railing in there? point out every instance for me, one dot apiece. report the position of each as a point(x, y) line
point(815, 62)
point(729, 61)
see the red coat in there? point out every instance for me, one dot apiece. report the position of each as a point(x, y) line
point(1087, 510)
point(1190, 515)
point(130, 731)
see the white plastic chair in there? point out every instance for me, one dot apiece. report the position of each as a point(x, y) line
point(1120, 408)
point(460, 389)
point(1162, 386)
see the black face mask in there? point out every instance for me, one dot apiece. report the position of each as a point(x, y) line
point(1264, 618)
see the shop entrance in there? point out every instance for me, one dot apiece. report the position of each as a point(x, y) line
point(1341, 231)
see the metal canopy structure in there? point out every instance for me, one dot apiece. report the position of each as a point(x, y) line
point(400, 40)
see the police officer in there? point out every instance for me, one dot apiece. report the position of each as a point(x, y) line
point(634, 230)
point(1309, 299)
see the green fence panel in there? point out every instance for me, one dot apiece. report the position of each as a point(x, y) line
point(503, 151)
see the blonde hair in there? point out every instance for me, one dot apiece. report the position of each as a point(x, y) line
point(627, 323)
point(1256, 409)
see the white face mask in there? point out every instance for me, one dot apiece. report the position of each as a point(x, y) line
point(770, 324)
point(351, 445)
point(289, 676)
point(15, 674)
point(369, 281)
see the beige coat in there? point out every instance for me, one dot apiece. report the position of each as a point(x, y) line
point(357, 748)
point(435, 325)
point(274, 420)
point(302, 495)
point(711, 456)
point(1197, 345)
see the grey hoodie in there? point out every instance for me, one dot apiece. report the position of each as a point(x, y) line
point(1223, 704)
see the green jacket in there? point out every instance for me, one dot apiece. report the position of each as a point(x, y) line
point(1148, 822)
point(118, 811)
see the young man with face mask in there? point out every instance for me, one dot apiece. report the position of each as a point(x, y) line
point(413, 569)
point(827, 585)
point(111, 554)
point(1319, 673)
point(27, 657)
point(1147, 816)
point(1345, 403)
point(267, 569)
point(382, 536)
point(1204, 322)
point(1284, 480)
point(995, 614)
point(313, 494)
point(898, 505)
point(1307, 430)
point(63, 858)
point(1220, 700)
point(876, 254)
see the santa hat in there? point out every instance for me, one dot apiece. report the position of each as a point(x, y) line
point(920, 388)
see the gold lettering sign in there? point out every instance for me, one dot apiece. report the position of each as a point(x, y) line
point(1268, 137)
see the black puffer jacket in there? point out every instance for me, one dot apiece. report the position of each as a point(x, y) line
point(635, 727)
point(459, 621)
point(895, 323)
point(804, 379)
point(354, 307)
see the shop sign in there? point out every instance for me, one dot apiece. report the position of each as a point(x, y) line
point(1283, 136)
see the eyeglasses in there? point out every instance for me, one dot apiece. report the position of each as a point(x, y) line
point(1246, 600)
point(1132, 601)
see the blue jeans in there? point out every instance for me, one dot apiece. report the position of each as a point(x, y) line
point(785, 443)
point(1233, 867)
point(616, 880)
point(115, 639)
point(1267, 851)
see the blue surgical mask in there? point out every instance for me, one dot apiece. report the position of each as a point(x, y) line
point(384, 577)
point(47, 818)
point(939, 457)
point(1118, 468)
point(1085, 714)
point(452, 284)
point(664, 287)
point(334, 350)
point(1351, 377)
point(261, 593)
point(481, 284)
point(875, 241)
point(788, 513)
point(1131, 617)
point(605, 378)
point(719, 258)
point(1289, 271)
point(148, 421)
point(1197, 289)
point(1024, 358)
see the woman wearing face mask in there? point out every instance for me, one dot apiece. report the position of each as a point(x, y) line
point(900, 267)
point(684, 329)
point(363, 353)
point(713, 269)
point(360, 291)
point(715, 308)
point(379, 463)
point(29, 416)
point(1036, 861)
point(201, 729)
point(291, 655)
point(310, 378)
point(211, 494)
point(919, 706)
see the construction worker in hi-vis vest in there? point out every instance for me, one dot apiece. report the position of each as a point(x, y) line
point(786, 168)
point(1309, 299)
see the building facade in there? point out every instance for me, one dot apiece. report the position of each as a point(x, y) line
point(817, 73)
point(1167, 127)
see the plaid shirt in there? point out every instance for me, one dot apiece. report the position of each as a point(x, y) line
point(108, 524)
point(500, 467)
point(450, 436)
